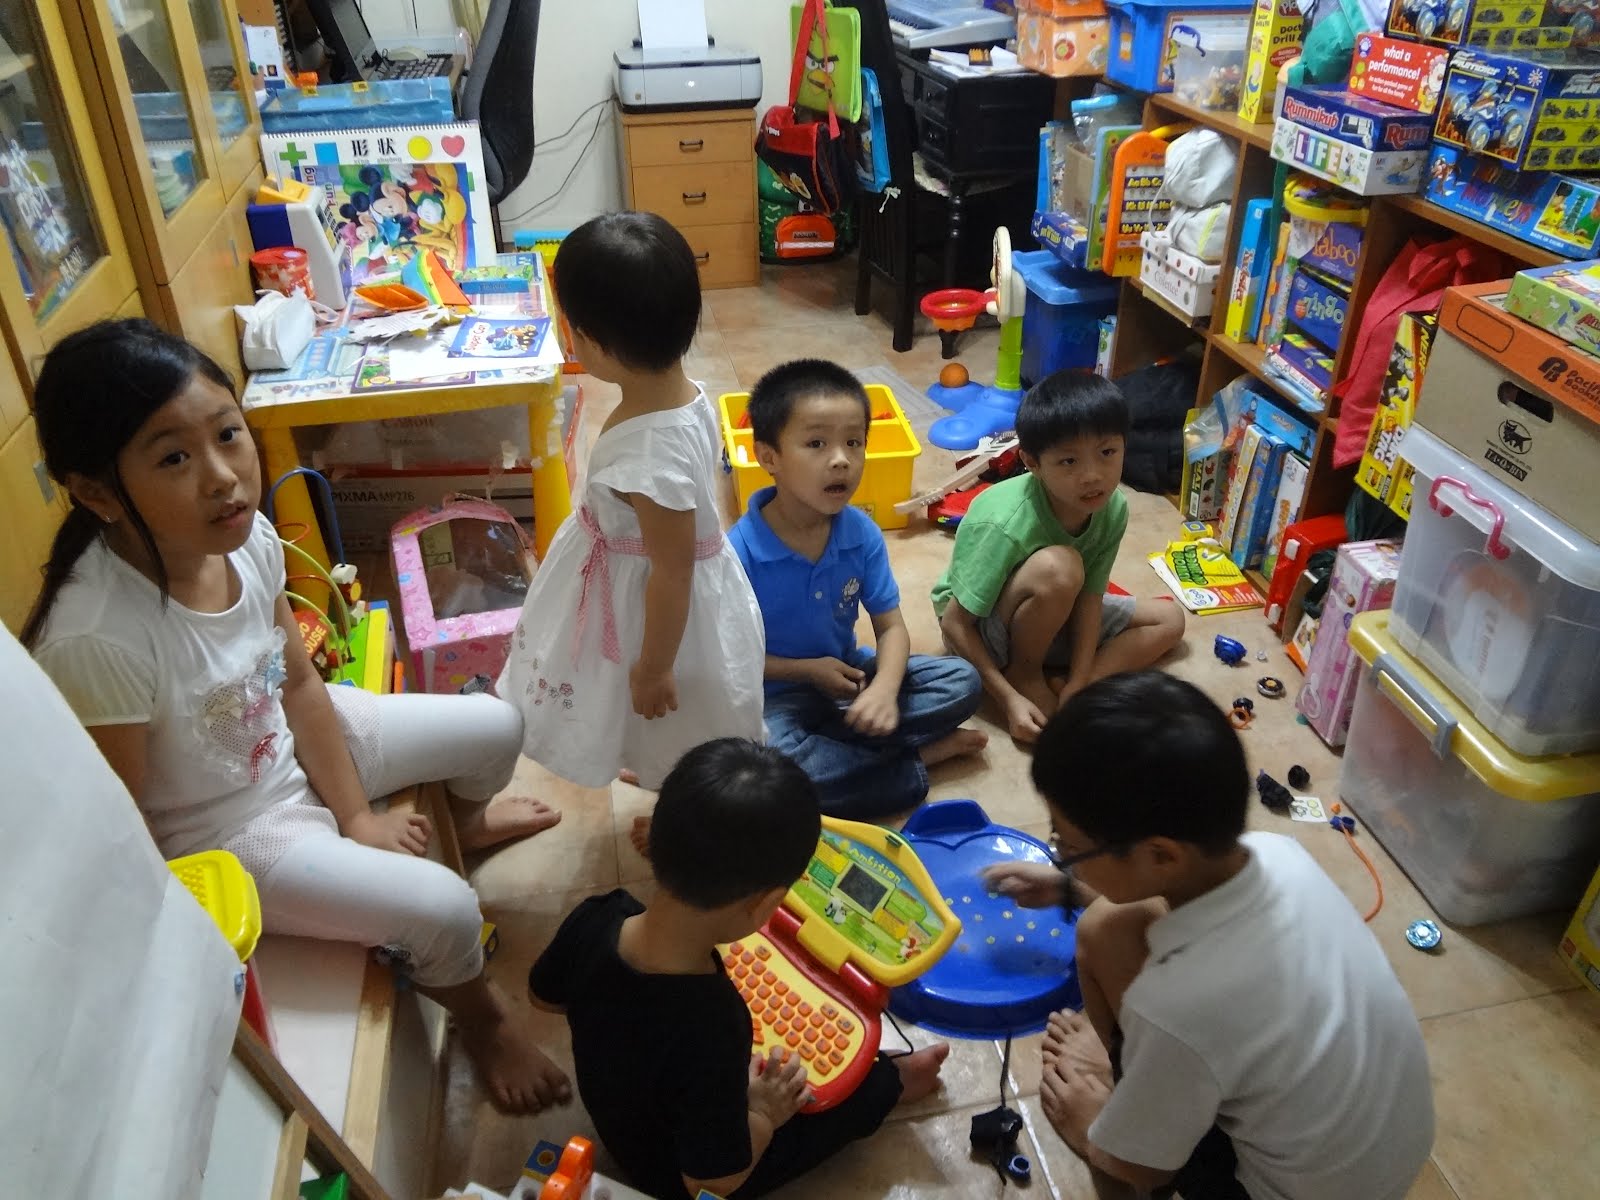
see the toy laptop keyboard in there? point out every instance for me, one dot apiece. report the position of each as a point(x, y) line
point(865, 917)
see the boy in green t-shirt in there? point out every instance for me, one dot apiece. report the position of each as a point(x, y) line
point(1024, 597)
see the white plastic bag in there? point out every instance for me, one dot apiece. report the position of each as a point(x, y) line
point(1201, 232)
point(276, 329)
point(1200, 169)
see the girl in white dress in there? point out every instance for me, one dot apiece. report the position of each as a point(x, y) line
point(640, 637)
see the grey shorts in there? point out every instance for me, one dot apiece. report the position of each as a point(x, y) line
point(1115, 614)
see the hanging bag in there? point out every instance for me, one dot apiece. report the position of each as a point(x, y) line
point(832, 60)
point(872, 137)
point(809, 157)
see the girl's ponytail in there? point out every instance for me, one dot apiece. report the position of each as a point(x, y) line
point(76, 535)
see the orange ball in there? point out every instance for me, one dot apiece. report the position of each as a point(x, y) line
point(953, 375)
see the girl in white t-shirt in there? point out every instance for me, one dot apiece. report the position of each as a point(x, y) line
point(163, 622)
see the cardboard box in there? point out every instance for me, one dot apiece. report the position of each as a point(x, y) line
point(1581, 944)
point(370, 500)
point(1563, 299)
point(1238, 484)
point(1064, 39)
point(1365, 147)
point(1519, 402)
point(1286, 509)
point(1534, 111)
point(1528, 24)
point(1305, 364)
point(1556, 212)
point(1247, 286)
point(1402, 73)
point(1317, 308)
point(1277, 31)
point(1383, 473)
point(1246, 542)
point(1363, 581)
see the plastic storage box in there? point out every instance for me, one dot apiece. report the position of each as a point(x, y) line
point(1501, 601)
point(1061, 319)
point(1484, 833)
point(1208, 70)
point(1142, 35)
point(892, 450)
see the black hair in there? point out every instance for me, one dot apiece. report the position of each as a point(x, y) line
point(96, 389)
point(1144, 755)
point(775, 394)
point(1070, 404)
point(734, 819)
point(629, 281)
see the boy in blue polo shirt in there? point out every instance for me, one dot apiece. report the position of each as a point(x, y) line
point(864, 726)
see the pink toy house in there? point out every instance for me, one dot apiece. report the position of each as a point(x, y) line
point(463, 570)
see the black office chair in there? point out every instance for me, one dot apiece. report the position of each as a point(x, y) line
point(497, 93)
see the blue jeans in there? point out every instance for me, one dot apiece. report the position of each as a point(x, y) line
point(864, 778)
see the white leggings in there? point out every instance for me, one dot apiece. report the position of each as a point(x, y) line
point(424, 914)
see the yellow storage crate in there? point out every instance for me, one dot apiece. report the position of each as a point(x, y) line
point(892, 451)
point(1581, 945)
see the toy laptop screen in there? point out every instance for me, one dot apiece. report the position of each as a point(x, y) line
point(473, 566)
point(868, 900)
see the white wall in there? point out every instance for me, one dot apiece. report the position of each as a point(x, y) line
point(572, 70)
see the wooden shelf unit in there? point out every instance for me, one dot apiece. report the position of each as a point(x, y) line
point(1148, 328)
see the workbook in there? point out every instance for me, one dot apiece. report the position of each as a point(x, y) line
point(391, 193)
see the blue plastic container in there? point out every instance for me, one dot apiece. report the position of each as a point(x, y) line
point(1061, 320)
point(334, 106)
point(1142, 52)
point(1011, 967)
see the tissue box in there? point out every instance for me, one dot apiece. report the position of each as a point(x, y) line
point(463, 571)
point(1537, 111)
point(1363, 581)
point(1404, 74)
point(1383, 474)
point(1563, 300)
point(1365, 147)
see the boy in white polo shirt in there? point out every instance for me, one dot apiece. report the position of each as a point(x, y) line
point(1259, 1044)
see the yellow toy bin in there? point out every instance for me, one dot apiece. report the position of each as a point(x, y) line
point(1581, 945)
point(892, 451)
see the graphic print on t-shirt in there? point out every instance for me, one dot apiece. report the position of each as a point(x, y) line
point(240, 721)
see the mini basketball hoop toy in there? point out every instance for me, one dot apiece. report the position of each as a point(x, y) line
point(981, 410)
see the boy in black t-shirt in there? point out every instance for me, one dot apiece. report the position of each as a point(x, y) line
point(660, 1036)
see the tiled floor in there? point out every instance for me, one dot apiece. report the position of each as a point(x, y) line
point(1515, 1045)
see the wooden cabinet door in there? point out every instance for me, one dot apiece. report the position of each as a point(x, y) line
point(33, 508)
point(153, 105)
point(63, 259)
point(199, 303)
point(228, 83)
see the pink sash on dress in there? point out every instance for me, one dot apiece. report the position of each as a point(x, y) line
point(596, 570)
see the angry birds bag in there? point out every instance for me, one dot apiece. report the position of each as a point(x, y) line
point(830, 59)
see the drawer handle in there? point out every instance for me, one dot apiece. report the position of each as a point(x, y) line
point(694, 197)
point(691, 145)
point(702, 259)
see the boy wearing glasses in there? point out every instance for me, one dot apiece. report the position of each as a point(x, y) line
point(1243, 1036)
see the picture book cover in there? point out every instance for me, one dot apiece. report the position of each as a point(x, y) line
point(500, 337)
point(390, 194)
point(1203, 578)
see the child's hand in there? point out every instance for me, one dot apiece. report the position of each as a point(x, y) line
point(777, 1088)
point(876, 712)
point(836, 678)
point(1024, 719)
point(402, 832)
point(653, 695)
point(1032, 885)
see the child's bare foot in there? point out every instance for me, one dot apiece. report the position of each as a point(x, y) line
point(1070, 1038)
point(639, 835)
point(518, 1076)
point(953, 745)
point(502, 819)
point(919, 1071)
point(1035, 688)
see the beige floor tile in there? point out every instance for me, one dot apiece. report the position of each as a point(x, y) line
point(1431, 1185)
point(916, 1158)
point(1516, 1089)
point(757, 349)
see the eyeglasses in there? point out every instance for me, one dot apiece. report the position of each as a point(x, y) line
point(1071, 860)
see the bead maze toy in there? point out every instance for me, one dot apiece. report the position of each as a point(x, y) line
point(1011, 967)
point(981, 411)
point(864, 918)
